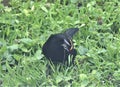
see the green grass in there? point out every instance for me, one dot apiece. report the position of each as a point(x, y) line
point(26, 25)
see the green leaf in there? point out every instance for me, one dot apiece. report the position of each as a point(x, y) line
point(59, 79)
point(83, 76)
point(74, 1)
point(4, 67)
point(13, 47)
point(82, 50)
point(26, 40)
point(24, 49)
point(38, 54)
point(44, 9)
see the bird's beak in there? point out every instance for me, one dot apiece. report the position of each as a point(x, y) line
point(66, 44)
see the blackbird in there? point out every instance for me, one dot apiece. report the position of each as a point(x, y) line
point(59, 46)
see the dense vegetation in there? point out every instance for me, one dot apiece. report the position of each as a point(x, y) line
point(26, 24)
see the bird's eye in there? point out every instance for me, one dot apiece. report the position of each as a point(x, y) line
point(65, 47)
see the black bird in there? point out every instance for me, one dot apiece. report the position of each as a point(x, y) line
point(59, 46)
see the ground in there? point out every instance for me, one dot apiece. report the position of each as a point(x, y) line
point(26, 25)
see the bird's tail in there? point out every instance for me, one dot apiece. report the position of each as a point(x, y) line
point(70, 32)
